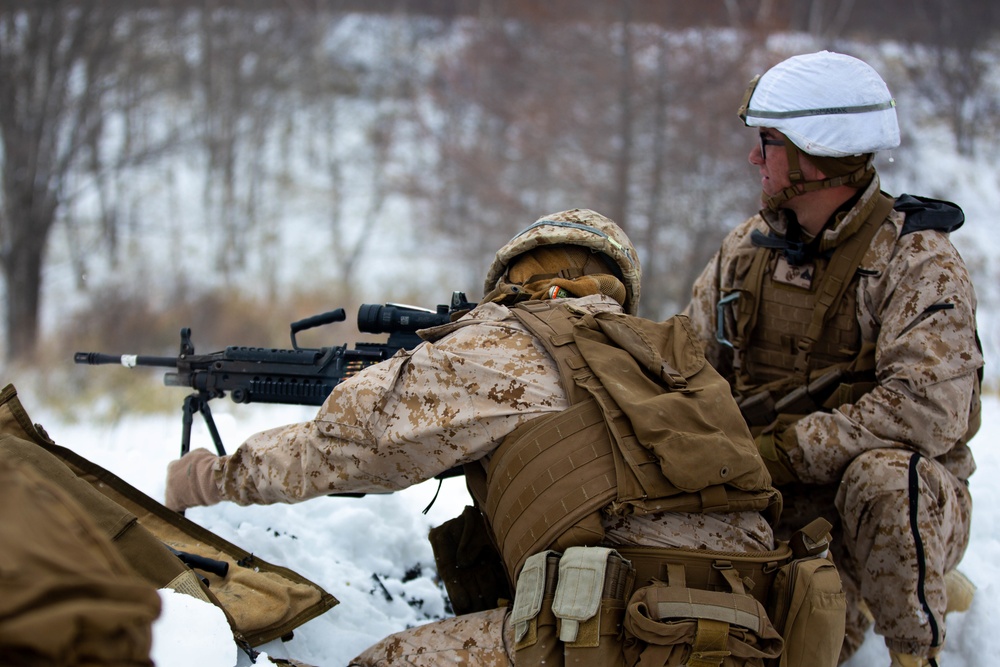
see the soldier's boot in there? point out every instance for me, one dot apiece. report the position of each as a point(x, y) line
point(960, 591)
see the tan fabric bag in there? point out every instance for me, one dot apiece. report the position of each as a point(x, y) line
point(809, 609)
point(262, 601)
point(468, 564)
point(67, 597)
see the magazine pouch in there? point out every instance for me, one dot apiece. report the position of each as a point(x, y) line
point(569, 608)
point(535, 634)
point(593, 587)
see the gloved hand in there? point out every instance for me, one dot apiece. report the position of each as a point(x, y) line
point(773, 443)
point(191, 481)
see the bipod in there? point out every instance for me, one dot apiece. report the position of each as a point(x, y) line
point(198, 402)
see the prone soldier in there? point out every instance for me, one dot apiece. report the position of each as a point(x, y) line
point(609, 463)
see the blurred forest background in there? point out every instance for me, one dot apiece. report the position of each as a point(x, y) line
point(234, 166)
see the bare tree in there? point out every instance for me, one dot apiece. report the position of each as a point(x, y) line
point(528, 116)
point(251, 63)
point(487, 114)
point(625, 130)
point(956, 40)
point(57, 73)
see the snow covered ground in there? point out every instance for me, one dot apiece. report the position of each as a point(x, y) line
point(373, 555)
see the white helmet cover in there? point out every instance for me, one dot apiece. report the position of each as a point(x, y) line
point(581, 227)
point(827, 104)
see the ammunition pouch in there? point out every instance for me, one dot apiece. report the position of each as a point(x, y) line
point(648, 605)
point(569, 609)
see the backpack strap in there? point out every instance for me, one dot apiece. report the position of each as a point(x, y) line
point(553, 326)
point(838, 277)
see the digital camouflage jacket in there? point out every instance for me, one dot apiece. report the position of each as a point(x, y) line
point(915, 304)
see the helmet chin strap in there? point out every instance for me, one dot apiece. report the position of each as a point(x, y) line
point(799, 185)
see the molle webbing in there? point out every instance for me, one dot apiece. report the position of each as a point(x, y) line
point(783, 323)
point(538, 492)
point(804, 330)
point(540, 495)
point(709, 570)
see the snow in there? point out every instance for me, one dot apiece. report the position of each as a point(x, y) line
point(175, 644)
point(372, 553)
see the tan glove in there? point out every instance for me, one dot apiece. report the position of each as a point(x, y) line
point(774, 443)
point(191, 481)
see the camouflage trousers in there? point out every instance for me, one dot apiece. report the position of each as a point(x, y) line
point(483, 639)
point(901, 522)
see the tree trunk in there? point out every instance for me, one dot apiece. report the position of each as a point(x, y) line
point(51, 78)
point(22, 268)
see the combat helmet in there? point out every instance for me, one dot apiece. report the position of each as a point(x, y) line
point(579, 227)
point(833, 107)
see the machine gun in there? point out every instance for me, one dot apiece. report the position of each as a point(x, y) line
point(299, 376)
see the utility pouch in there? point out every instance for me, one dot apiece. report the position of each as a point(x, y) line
point(808, 604)
point(535, 634)
point(590, 599)
point(670, 624)
point(468, 563)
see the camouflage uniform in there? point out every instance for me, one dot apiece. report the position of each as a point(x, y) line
point(894, 464)
point(423, 412)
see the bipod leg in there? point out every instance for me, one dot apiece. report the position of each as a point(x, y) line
point(206, 412)
point(199, 403)
point(190, 405)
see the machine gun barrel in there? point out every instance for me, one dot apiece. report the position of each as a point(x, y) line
point(127, 360)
